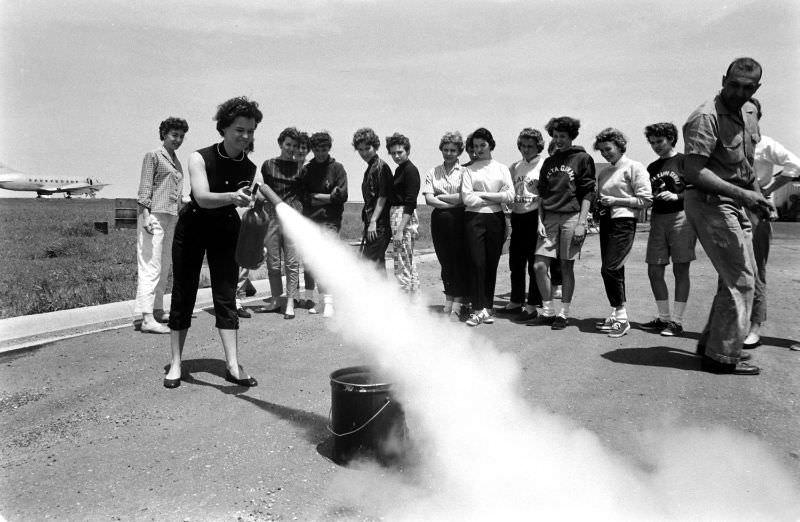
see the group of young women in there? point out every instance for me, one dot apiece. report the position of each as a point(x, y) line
point(549, 200)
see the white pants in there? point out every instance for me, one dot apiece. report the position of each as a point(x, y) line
point(154, 255)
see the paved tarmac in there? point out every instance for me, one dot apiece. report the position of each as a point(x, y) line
point(91, 434)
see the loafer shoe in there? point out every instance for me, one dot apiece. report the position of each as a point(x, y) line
point(172, 383)
point(249, 382)
point(672, 329)
point(244, 314)
point(526, 317)
point(655, 324)
point(559, 323)
point(156, 328)
point(741, 368)
point(510, 311)
point(546, 320)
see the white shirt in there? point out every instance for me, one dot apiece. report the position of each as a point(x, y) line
point(525, 175)
point(770, 153)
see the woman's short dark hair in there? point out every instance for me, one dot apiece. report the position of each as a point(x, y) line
point(468, 145)
point(612, 135)
point(367, 136)
point(662, 130)
point(320, 139)
point(229, 110)
point(171, 123)
point(289, 132)
point(563, 124)
point(398, 139)
point(483, 133)
point(453, 138)
point(531, 134)
point(302, 139)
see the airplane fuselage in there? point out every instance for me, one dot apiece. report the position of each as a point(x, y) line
point(49, 185)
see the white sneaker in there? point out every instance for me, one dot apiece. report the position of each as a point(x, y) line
point(314, 310)
point(328, 310)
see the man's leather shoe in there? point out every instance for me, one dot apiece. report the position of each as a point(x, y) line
point(244, 314)
point(510, 311)
point(745, 356)
point(741, 368)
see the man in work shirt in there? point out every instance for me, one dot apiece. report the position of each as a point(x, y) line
point(720, 138)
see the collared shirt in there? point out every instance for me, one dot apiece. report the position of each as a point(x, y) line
point(525, 175)
point(727, 138)
point(161, 184)
point(439, 182)
point(770, 153)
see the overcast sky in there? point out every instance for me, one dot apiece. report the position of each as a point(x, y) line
point(85, 83)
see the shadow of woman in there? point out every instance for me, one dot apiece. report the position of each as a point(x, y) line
point(659, 356)
point(314, 426)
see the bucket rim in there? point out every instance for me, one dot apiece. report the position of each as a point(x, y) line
point(336, 376)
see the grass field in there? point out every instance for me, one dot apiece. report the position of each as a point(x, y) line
point(54, 259)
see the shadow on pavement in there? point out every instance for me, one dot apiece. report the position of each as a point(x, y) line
point(659, 356)
point(314, 426)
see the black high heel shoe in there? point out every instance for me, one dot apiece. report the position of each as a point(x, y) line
point(249, 382)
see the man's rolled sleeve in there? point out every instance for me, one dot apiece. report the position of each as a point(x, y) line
point(700, 135)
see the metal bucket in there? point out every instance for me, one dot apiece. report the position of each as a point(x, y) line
point(365, 420)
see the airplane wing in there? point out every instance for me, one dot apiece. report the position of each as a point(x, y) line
point(81, 188)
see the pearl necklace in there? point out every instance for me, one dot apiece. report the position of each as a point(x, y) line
point(228, 157)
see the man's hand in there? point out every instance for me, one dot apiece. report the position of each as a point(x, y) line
point(760, 205)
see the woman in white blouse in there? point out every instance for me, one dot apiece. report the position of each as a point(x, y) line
point(160, 190)
point(486, 185)
point(442, 190)
point(623, 188)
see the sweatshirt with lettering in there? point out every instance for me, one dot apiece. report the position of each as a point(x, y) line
point(567, 178)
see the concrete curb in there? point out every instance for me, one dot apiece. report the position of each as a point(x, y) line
point(31, 331)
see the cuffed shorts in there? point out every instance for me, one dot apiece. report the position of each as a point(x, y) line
point(671, 236)
point(558, 242)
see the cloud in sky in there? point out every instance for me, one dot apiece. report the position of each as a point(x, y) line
point(101, 75)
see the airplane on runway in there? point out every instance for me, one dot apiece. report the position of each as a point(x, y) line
point(11, 179)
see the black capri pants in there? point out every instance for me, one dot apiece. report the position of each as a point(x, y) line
point(485, 234)
point(447, 233)
point(212, 233)
point(616, 242)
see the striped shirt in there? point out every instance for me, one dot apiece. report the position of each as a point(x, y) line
point(438, 181)
point(283, 176)
point(161, 184)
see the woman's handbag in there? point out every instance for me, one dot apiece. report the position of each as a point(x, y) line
point(250, 245)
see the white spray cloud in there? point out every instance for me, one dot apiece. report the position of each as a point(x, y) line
point(487, 454)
